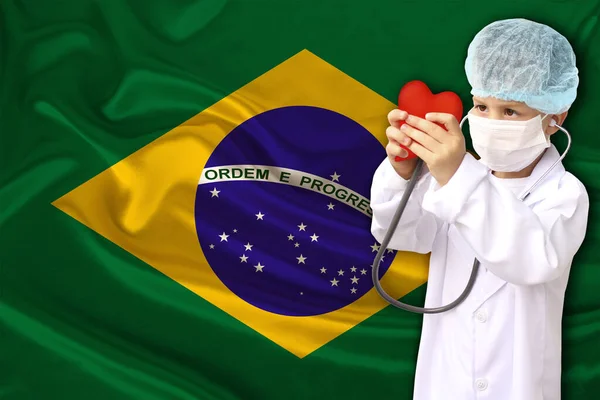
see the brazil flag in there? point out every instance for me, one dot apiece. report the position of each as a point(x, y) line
point(184, 191)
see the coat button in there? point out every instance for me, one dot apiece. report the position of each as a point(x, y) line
point(481, 315)
point(481, 384)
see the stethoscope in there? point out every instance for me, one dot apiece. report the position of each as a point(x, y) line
point(410, 186)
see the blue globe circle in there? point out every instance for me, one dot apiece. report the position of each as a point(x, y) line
point(281, 247)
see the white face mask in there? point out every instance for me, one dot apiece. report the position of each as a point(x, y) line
point(508, 146)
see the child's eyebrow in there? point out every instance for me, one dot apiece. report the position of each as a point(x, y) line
point(511, 104)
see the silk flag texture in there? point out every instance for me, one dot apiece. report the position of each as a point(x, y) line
point(185, 194)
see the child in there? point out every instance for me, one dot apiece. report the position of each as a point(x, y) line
point(504, 341)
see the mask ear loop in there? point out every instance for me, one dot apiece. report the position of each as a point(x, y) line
point(462, 121)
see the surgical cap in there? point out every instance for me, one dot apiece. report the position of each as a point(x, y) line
point(521, 60)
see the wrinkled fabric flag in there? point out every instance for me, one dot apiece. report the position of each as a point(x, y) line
point(185, 194)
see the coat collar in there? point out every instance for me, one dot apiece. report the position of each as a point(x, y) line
point(550, 181)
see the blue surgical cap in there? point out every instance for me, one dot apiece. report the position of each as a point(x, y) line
point(522, 60)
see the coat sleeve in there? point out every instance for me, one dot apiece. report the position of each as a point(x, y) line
point(521, 245)
point(417, 228)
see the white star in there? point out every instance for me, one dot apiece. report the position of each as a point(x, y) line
point(390, 250)
point(243, 258)
point(296, 244)
point(363, 271)
point(212, 246)
point(259, 267)
point(223, 237)
point(259, 215)
point(330, 206)
point(353, 269)
point(323, 270)
point(334, 282)
point(354, 279)
point(335, 177)
point(301, 293)
point(302, 226)
point(382, 258)
point(301, 259)
point(248, 246)
point(215, 192)
point(375, 247)
point(314, 237)
point(340, 272)
point(290, 237)
point(353, 290)
point(235, 231)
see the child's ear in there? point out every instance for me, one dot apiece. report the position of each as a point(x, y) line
point(558, 120)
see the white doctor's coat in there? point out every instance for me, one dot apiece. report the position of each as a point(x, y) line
point(504, 341)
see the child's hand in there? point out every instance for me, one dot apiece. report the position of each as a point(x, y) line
point(442, 150)
point(404, 168)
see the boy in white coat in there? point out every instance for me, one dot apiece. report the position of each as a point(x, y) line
point(504, 341)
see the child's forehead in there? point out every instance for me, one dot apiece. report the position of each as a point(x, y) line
point(495, 102)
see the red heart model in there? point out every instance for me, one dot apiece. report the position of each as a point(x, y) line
point(416, 99)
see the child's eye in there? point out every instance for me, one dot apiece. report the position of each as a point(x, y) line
point(480, 107)
point(510, 112)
